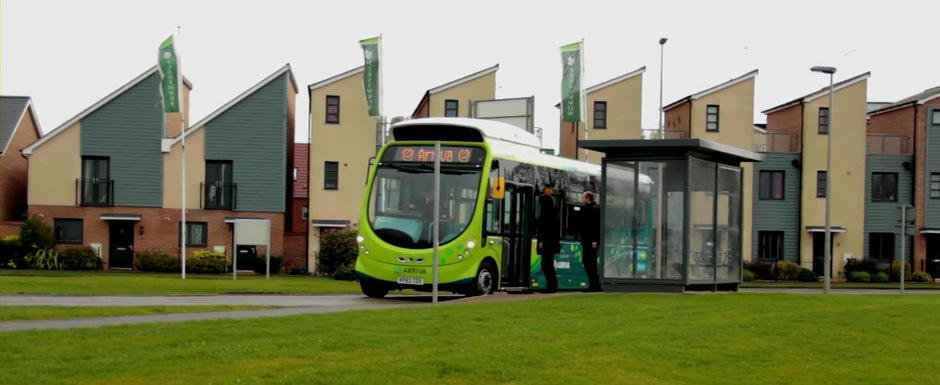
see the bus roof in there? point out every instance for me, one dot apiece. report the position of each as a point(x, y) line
point(505, 140)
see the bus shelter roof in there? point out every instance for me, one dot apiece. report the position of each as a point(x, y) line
point(703, 148)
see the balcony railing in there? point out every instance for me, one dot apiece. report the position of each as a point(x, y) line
point(779, 142)
point(219, 196)
point(669, 134)
point(95, 192)
point(887, 144)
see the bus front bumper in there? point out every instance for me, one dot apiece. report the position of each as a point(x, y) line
point(451, 277)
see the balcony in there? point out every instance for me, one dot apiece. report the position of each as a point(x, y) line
point(95, 192)
point(888, 144)
point(780, 142)
point(219, 196)
point(670, 134)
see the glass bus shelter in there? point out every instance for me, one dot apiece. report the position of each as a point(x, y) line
point(671, 213)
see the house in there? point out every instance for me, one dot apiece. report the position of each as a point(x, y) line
point(343, 139)
point(453, 99)
point(613, 112)
point(18, 128)
point(296, 231)
point(110, 177)
point(789, 215)
point(903, 140)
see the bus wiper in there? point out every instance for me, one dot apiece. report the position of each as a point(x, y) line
point(450, 169)
point(409, 170)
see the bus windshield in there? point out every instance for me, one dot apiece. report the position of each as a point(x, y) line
point(401, 208)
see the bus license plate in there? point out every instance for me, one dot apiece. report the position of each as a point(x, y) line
point(410, 281)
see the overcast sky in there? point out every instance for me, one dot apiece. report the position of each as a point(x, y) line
point(69, 54)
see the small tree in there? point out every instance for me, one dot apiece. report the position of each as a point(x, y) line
point(36, 235)
point(337, 251)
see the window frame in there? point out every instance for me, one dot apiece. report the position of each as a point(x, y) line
point(935, 117)
point(189, 238)
point(455, 109)
point(603, 118)
point(821, 191)
point(875, 188)
point(81, 230)
point(930, 185)
point(326, 175)
point(770, 194)
point(327, 113)
point(716, 113)
point(305, 212)
point(819, 121)
point(763, 237)
point(881, 237)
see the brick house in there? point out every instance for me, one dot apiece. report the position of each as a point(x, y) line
point(18, 128)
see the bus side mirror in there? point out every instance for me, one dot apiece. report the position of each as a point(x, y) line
point(497, 188)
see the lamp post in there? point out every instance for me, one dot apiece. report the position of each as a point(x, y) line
point(828, 245)
point(662, 129)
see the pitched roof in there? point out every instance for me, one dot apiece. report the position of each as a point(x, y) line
point(454, 83)
point(822, 92)
point(919, 98)
point(12, 111)
point(616, 80)
point(81, 115)
point(336, 78)
point(285, 69)
point(712, 90)
point(302, 164)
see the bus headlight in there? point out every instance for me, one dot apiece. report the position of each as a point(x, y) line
point(471, 244)
point(360, 239)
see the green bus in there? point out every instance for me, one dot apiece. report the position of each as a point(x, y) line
point(490, 173)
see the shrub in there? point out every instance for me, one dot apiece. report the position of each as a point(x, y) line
point(854, 264)
point(79, 258)
point(748, 276)
point(345, 273)
point(261, 264)
point(36, 235)
point(760, 269)
point(785, 271)
point(806, 275)
point(337, 249)
point(921, 276)
point(44, 259)
point(206, 262)
point(881, 277)
point(11, 253)
point(896, 271)
point(156, 261)
point(859, 276)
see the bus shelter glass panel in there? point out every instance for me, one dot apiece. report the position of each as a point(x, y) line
point(729, 224)
point(702, 218)
point(636, 205)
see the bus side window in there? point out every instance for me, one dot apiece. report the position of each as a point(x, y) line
point(571, 222)
point(491, 220)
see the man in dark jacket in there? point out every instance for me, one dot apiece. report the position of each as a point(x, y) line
point(548, 228)
point(590, 236)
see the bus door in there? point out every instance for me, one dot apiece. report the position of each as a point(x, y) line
point(518, 210)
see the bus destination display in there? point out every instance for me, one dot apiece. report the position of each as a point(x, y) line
point(426, 154)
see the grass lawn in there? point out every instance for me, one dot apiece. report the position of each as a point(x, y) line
point(589, 339)
point(20, 313)
point(100, 282)
point(852, 285)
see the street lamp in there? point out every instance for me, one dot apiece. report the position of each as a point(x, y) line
point(662, 129)
point(828, 245)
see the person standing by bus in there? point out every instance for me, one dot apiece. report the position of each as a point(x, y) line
point(590, 236)
point(548, 228)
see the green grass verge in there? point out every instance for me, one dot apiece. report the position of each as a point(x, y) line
point(99, 282)
point(847, 285)
point(589, 339)
point(22, 313)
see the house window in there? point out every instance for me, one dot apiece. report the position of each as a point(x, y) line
point(770, 245)
point(600, 114)
point(196, 233)
point(711, 118)
point(96, 183)
point(821, 184)
point(881, 246)
point(295, 174)
point(935, 185)
point(330, 175)
point(450, 108)
point(66, 230)
point(824, 120)
point(884, 187)
point(219, 190)
point(935, 117)
point(771, 184)
point(304, 212)
point(332, 109)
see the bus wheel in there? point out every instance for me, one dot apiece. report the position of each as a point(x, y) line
point(484, 282)
point(372, 288)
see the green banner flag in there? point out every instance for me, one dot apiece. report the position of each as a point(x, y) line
point(371, 80)
point(572, 95)
point(169, 68)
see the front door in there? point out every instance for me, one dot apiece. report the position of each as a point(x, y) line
point(121, 251)
point(819, 253)
point(518, 210)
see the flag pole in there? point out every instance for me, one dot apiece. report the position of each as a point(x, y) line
point(179, 77)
